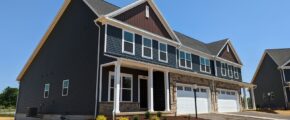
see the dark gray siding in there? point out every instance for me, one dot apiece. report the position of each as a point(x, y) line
point(268, 79)
point(114, 47)
point(69, 53)
point(134, 72)
point(219, 73)
point(287, 75)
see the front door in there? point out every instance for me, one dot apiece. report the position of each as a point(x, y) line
point(143, 93)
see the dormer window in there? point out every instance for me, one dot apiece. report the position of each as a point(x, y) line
point(185, 60)
point(147, 48)
point(147, 11)
point(128, 43)
point(205, 65)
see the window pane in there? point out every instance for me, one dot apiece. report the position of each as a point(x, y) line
point(207, 62)
point(147, 42)
point(203, 90)
point(112, 81)
point(188, 56)
point(182, 62)
point(64, 91)
point(202, 67)
point(202, 61)
point(46, 94)
point(163, 56)
point(126, 82)
point(162, 47)
point(128, 47)
point(188, 64)
point(187, 88)
point(207, 69)
point(179, 88)
point(111, 94)
point(147, 52)
point(46, 87)
point(182, 55)
point(128, 36)
point(126, 95)
point(65, 83)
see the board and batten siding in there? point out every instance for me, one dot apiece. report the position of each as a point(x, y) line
point(114, 47)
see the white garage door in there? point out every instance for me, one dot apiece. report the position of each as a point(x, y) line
point(186, 103)
point(227, 101)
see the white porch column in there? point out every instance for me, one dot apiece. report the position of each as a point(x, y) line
point(117, 88)
point(150, 90)
point(253, 98)
point(245, 99)
point(166, 83)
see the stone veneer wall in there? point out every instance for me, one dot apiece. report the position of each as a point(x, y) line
point(185, 79)
point(106, 108)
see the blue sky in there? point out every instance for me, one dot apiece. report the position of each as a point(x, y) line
point(252, 26)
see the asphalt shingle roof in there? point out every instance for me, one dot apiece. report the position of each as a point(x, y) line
point(280, 56)
point(102, 7)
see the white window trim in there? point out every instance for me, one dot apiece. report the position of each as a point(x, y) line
point(223, 74)
point(236, 73)
point(204, 65)
point(230, 70)
point(65, 87)
point(123, 41)
point(151, 48)
point(46, 90)
point(121, 87)
point(185, 60)
point(166, 52)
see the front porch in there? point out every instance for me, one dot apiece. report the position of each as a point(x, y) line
point(130, 90)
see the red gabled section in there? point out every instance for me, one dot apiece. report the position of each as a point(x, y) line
point(137, 17)
point(228, 54)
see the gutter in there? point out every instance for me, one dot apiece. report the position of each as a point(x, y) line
point(98, 67)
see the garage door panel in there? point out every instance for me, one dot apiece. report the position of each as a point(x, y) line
point(186, 101)
point(227, 101)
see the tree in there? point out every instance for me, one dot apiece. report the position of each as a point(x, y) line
point(8, 97)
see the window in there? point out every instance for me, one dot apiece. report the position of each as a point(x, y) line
point(228, 48)
point(147, 48)
point(230, 71)
point(163, 52)
point(128, 43)
point(228, 93)
point(126, 87)
point(236, 73)
point(203, 90)
point(233, 93)
point(46, 90)
point(111, 86)
point(65, 85)
point(223, 92)
point(179, 88)
point(147, 12)
point(205, 65)
point(185, 60)
point(187, 88)
point(224, 69)
point(125, 90)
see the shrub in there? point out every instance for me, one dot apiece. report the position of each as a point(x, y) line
point(147, 115)
point(101, 117)
point(123, 118)
point(155, 118)
point(135, 118)
point(159, 114)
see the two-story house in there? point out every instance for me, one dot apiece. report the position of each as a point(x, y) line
point(272, 78)
point(98, 58)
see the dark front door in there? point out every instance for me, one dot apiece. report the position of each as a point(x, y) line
point(143, 93)
point(158, 91)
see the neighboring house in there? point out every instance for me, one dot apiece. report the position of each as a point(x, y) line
point(272, 78)
point(97, 58)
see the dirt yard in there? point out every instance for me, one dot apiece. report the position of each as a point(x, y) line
point(283, 112)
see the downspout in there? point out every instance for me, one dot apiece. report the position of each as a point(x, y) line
point(284, 90)
point(98, 67)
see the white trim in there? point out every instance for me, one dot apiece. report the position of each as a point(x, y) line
point(106, 37)
point(206, 59)
point(236, 73)
point(139, 79)
point(215, 68)
point(185, 60)
point(47, 84)
point(166, 52)
point(229, 62)
point(225, 74)
point(285, 65)
point(230, 71)
point(143, 46)
point(123, 41)
point(121, 86)
point(155, 9)
point(63, 87)
point(231, 91)
point(126, 26)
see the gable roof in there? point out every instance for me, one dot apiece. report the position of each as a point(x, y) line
point(101, 7)
point(216, 46)
point(280, 56)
